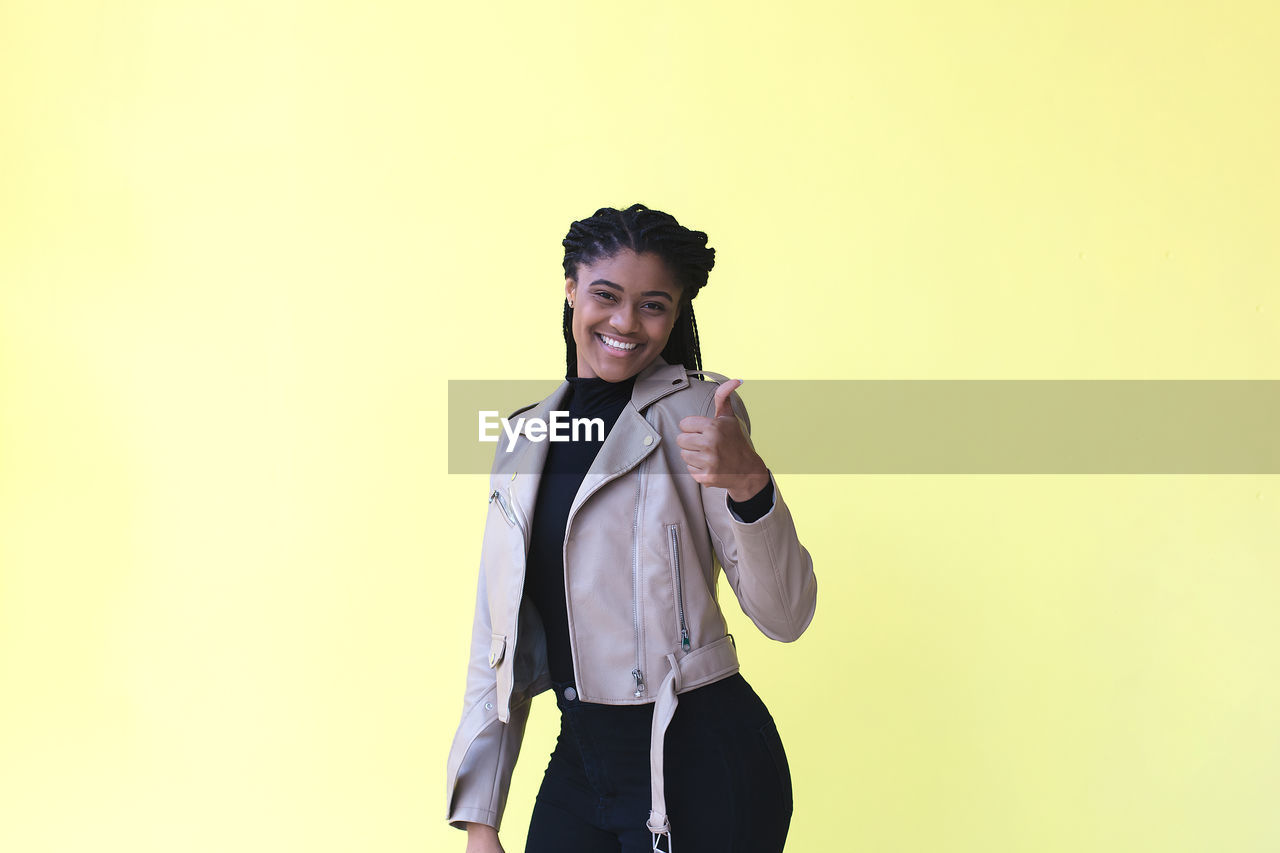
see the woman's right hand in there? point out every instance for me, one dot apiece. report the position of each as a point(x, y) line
point(482, 838)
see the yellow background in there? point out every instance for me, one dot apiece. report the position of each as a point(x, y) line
point(244, 245)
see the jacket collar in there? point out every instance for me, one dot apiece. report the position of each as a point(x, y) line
point(657, 381)
point(623, 449)
point(653, 383)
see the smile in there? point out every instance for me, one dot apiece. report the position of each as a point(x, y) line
point(614, 344)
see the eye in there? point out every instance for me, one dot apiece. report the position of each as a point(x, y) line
point(656, 307)
point(604, 294)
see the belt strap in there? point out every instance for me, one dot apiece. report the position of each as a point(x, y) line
point(701, 666)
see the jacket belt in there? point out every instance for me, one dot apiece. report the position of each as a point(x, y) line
point(701, 666)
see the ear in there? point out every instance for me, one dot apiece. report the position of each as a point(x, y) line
point(569, 287)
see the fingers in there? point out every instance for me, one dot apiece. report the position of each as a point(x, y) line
point(708, 445)
point(695, 423)
point(723, 406)
point(695, 459)
point(692, 441)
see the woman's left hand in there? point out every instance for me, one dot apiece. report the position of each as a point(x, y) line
point(718, 451)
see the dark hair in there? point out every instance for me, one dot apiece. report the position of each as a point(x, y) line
point(642, 229)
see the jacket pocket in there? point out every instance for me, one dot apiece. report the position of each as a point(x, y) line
point(497, 648)
point(677, 581)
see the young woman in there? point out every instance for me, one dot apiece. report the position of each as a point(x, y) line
point(598, 578)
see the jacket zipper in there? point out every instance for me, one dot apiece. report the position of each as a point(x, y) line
point(507, 505)
point(506, 509)
point(636, 673)
point(674, 531)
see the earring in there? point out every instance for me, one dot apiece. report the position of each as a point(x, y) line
point(570, 303)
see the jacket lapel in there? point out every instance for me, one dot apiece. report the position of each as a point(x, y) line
point(628, 443)
point(531, 456)
point(632, 437)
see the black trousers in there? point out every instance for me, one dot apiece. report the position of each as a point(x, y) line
point(728, 786)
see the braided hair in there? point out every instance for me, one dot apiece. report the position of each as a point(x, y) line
point(642, 229)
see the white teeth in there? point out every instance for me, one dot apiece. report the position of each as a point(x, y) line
point(616, 344)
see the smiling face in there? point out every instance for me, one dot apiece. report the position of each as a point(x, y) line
point(624, 308)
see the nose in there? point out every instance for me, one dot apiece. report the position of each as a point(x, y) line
point(623, 319)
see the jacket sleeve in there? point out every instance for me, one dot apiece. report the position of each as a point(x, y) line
point(484, 751)
point(768, 569)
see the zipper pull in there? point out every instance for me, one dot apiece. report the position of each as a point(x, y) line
point(639, 677)
point(684, 639)
point(510, 516)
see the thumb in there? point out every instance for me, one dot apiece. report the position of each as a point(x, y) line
point(723, 407)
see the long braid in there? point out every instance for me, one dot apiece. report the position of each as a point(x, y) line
point(642, 229)
point(693, 341)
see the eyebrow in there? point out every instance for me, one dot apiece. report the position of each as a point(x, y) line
point(618, 287)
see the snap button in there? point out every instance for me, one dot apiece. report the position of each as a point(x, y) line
point(570, 694)
point(488, 706)
point(648, 440)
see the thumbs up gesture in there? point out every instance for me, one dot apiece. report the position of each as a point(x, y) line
point(718, 451)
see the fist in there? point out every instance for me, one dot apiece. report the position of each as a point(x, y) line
point(718, 451)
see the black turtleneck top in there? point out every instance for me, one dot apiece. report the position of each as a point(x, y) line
point(566, 467)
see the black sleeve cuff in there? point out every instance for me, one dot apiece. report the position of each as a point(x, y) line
point(755, 507)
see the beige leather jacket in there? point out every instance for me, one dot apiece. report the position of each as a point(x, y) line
point(643, 545)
